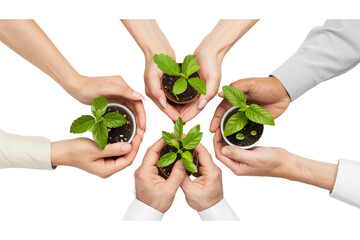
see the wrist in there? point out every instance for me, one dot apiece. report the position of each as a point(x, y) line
point(59, 153)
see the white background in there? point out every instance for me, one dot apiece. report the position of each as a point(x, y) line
point(67, 202)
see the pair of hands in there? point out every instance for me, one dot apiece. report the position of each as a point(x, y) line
point(259, 161)
point(83, 153)
point(210, 72)
point(153, 190)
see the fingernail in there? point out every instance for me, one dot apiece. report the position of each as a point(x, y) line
point(126, 147)
point(202, 104)
point(225, 151)
point(221, 93)
point(138, 96)
point(181, 165)
point(162, 102)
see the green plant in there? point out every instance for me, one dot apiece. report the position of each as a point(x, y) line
point(99, 124)
point(252, 112)
point(191, 140)
point(169, 66)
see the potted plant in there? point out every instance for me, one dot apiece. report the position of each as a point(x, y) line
point(110, 123)
point(243, 125)
point(179, 148)
point(180, 83)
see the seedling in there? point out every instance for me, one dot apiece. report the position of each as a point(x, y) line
point(99, 124)
point(191, 140)
point(253, 133)
point(252, 112)
point(169, 66)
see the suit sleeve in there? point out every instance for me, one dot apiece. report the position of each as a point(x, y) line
point(328, 51)
point(24, 152)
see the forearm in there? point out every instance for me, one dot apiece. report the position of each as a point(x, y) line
point(225, 34)
point(27, 39)
point(148, 36)
point(308, 171)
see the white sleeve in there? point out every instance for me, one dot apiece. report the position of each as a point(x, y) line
point(347, 183)
point(328, 51)
point(24, 152)
point(139, 211)
point(219, 212)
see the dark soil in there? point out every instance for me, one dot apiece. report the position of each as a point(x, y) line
point(123, 133)
point(250, 126)
point(165, 171)
point(168, 82)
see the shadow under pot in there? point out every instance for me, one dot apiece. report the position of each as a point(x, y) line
point(188, 96)
point(126, 132)
point(165, 171)
point(248, 137)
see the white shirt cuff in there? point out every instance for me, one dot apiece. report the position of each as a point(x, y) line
point(139, 211)
point(24, 152)
point(219, 212)
point(347, 183)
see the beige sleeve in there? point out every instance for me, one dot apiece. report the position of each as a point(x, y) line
point(24, 152)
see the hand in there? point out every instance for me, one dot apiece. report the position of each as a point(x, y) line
point(275, 162)
point(115, 89)
point(268, 92)
point(210, 72)
point(206, 190)
point(153, 87)
point(152, 189)
point(258, 161)
point(83, 153)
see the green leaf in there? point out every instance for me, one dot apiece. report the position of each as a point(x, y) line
point(192, 140)
point(114, 120)
point(189, 61)
point(188, 163)
point(240, 136)
point(178, 128)
point(187, 156)
point(98, 107)
point(192, 69)
point(82, 124)
point(100, 134)
point(253, 133)
point(235, 96)
point(166, 64)
point(194, 129)
point(235, 123)
point(259, 115)
point(167, 159)
point(243, 109)
point(170, 139)
point(198, 85)
point(179, 86)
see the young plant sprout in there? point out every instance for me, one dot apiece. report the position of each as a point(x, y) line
point(240, 136)
point(99, 124)
point(191, 140)
point(169, 66)
point(252, 112)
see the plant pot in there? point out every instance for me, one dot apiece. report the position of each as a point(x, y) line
point(188, 96)
point(249, 141)
point(165, 171)
point(126, 132)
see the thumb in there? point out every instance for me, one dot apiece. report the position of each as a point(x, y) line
point(236, 153)
point(116, 149)
point(177, 175)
